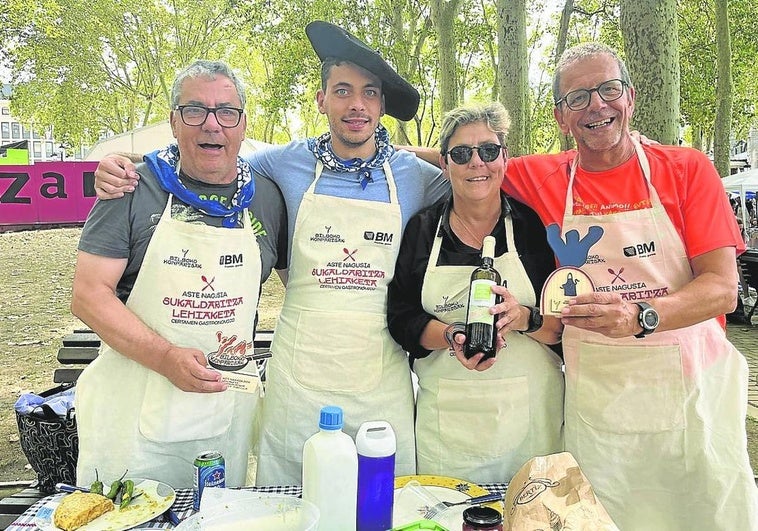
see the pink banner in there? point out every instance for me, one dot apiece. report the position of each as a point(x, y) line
point(46, 193)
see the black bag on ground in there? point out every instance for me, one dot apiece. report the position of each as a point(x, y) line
point(50, 443)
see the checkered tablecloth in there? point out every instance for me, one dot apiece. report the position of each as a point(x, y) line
point(182, 507)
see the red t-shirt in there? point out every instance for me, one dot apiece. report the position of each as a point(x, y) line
point(686, 182)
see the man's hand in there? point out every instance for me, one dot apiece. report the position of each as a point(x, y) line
point(115, 175)
point(604, 313)
point(186, 369)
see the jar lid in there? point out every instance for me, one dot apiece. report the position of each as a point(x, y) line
point(482, 516)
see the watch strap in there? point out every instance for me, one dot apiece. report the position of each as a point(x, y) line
point(643, 306)
point(535, 320)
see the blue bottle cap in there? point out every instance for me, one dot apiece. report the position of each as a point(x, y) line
point(331, 418)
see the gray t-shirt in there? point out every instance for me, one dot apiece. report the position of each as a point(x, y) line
point(122, 228)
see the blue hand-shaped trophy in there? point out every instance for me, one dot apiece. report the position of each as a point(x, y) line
point(568, 280)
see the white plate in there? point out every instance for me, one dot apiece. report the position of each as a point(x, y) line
point(270, 513)
point(156, 500)
point(409, 507)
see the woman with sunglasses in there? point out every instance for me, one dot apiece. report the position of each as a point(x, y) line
point(477, 421)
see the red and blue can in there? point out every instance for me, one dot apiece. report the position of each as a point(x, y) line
point(210, 471)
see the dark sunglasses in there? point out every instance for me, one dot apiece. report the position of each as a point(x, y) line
point(462, 154)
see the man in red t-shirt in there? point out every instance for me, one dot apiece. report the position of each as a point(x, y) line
point(655, 393)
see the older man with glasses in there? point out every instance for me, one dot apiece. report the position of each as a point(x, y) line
point(655, 393)
point(168, 277)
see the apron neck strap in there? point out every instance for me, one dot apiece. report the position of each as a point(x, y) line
point(641, 159)
point(387, 173)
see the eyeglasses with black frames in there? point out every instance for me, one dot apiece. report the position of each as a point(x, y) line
point(196, 115)
point(462, 154)
point(610, 90)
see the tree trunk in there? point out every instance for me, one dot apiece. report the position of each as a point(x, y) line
point(567, 142)
point(697, 137)
point(443, 17)
point(513, 72)
point(723, 122)
point(651, 46)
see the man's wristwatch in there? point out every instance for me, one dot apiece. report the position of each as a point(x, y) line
point(647, 318)
point(535, 320)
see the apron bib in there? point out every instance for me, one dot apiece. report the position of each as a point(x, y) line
point(483, 426)
point(331, 344)
point(132, 417)
point(644, 417)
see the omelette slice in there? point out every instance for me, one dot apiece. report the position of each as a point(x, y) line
point(80, 508)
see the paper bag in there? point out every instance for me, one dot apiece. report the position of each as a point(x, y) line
point(550, 493)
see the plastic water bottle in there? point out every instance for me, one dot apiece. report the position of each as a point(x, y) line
point(375, 442)
point(330, 472)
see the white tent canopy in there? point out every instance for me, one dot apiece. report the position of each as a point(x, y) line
point(741, 183)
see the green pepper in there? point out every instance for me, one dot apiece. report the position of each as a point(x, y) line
point(116, 487)
point(97, 485)
point(126, 493)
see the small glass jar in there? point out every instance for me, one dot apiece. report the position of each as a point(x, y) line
point(482, 519)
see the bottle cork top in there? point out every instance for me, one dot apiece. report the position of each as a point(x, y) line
point(488, 247)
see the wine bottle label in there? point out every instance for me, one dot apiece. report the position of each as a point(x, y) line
point(481, 298)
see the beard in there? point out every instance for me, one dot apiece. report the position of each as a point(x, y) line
point(607, 141)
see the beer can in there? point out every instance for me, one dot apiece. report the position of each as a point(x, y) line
point(210, 471)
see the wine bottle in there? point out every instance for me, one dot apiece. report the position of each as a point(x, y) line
point(480, 325)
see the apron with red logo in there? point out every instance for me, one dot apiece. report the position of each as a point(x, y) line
point(331, 345)
point(657, 424)
point(130, 417)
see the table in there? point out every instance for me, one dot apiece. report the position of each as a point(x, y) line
point(182, 507)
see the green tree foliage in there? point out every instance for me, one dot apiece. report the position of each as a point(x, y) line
point(92, 67)
point(697, 29)
point(102, 67)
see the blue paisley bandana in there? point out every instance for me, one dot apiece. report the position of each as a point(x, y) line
point(164, 162)
point(322, 150)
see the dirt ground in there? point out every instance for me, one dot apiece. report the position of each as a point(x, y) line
point(37, 269)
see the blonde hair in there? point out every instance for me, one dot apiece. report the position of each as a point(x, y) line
point(493, 114)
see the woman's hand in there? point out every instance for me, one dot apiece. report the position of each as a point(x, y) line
point(512, 316)
point(474, 363)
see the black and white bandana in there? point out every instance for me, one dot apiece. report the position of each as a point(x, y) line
point(322, 150)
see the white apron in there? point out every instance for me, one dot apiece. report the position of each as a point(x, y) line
point(331, 344)
point(657, 424)
point(482, 426)
point(132, 417)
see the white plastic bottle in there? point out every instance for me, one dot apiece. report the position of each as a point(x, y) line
point(330, 472)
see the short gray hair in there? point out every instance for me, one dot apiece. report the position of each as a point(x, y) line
point(492, 114)
point(208, 70)
point(583, 51)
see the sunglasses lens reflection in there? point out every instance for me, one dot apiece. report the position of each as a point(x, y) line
point(489, 152)
point(463, 154)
